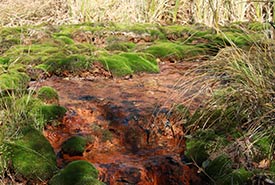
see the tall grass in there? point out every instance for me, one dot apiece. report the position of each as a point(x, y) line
point(209, 12)
point(240, 104)
point(13, 116)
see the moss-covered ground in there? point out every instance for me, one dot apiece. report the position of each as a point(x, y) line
point(74, 145)
point(122, 49)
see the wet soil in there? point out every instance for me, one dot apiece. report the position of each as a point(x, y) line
point(134, 137)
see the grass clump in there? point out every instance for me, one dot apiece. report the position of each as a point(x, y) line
point(31, 155)
point(221, 171)
point(258, 26)
point(219, 167)
point(44, 114)
point(64, 39)
point(74, 146)
point(77, 173)
point(240, 108)
point(35, 110)
point(244, 91)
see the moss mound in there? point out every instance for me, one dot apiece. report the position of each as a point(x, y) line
point(175, 50)
point(74, 146)
point(128, 63)
point(120, 46)
point(31, 155)
point(77, 173)
point(13, 80)
point(53, 57)
point(10, 37)
point(48, 113)
point(58, 64)
point(63, 51)
point(48, 95)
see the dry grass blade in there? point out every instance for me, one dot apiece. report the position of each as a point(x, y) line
point(15, 12)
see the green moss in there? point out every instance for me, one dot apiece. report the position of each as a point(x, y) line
point(219, 167)
point(64, 39)
point(179, 32)
point(174, 29)
point(205, 134)
point(116, 64)
point(202, 143)
point(120, 46)
point(272, 167)
point(264, 145)
point(47, 94)
point(74, 146)
point(53, 57)
point(150, 29)
point(1, 168)
point(236, 177)
point(44, 114)
point(31, 155)
point(175, 50)
point(237, 38)
point(128, 63)
point(229, 37)
point(76, 173)
point(141, 62)
point(165, 49)
point(4, 60)
point(196, 151)
point(10, 36)
point(33, 54)
point(13, 80)
point(59, 63)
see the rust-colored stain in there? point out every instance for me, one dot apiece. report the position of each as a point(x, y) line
point(133, 137)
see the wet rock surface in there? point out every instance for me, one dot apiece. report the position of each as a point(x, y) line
point(131, 138)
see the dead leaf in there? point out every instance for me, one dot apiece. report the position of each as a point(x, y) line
point(264, 164)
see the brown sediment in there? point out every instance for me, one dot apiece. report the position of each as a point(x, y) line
point(133, 137)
